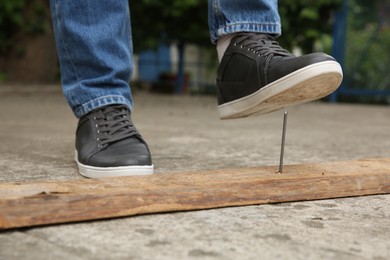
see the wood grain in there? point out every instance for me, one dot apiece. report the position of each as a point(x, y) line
point(51, 202)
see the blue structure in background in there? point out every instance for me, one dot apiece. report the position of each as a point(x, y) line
point(339, 43)
point(339, 51)
point(151, 63)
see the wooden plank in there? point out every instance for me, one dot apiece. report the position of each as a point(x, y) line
point(50, 202)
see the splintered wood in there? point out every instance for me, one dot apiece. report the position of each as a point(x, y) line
point(51, 202)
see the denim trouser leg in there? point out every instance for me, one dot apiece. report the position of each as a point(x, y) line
point(230, 16)
point(95, 52)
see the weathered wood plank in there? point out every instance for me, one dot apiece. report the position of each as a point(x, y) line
point(50, 202)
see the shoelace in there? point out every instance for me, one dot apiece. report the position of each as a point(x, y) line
point(261, 44)
point(113, 124)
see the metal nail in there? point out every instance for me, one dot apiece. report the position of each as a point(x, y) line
point(283, 142)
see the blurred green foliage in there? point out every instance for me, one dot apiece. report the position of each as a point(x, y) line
point(19, 18)
point(154, 21)
point(305, 23)
point(368, 45)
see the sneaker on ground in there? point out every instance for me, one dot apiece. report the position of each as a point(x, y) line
point(108, 145)
point(257, 76)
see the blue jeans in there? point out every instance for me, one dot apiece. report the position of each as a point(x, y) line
point(231, 16)
point(94, 44)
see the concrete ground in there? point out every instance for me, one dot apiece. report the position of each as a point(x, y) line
point(184, 133)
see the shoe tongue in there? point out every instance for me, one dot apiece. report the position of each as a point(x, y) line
point(113, 113)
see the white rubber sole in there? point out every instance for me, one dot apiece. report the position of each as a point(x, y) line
point(120, 171)
point(307, 84)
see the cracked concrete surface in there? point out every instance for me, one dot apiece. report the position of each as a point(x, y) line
point(185, 134)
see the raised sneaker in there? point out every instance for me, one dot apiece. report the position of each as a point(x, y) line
point(257, 76)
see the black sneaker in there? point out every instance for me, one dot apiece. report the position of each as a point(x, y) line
point(257, 76)
point(108, 145)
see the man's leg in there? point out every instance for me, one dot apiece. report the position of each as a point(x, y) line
point(256, 75)
point(228, 17)
point(95, 53)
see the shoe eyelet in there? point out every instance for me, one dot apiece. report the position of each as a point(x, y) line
point(96, 125)
point(98, 139)
point(100, 145)
point(94, 118)
point(98, 131)
point(235, 44)
point(242, 46)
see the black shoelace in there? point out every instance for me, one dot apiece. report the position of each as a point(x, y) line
point(260, 44)
point(113, 124)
